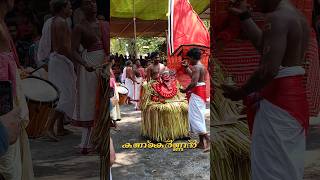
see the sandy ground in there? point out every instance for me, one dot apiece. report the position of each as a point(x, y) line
point(60, 161)
point(143, 164)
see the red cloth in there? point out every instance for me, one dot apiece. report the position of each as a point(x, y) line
point(9, 62)
point(186, 27)
point(112, 79)
point(200, 91)
point(287, 93)
point(8, 69)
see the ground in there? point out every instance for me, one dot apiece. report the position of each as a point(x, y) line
point(153, 163)
point(61, 161)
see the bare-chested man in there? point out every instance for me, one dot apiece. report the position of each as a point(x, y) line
point(129, 79)
point(197, 102)
point(156, 68)
point(55, 44)
point(280, 123)
point(89, 43)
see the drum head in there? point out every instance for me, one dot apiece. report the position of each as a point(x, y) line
point(40, 90)
point(122, 90)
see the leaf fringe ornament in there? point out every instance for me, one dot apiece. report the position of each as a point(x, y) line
point(230, 142)
point(163, 121)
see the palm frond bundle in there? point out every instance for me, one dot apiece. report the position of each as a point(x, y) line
point(230, 145)
point(101, 131)
point(163, 121)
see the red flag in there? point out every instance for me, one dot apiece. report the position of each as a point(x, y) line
point(185, 27)
point(185, 31)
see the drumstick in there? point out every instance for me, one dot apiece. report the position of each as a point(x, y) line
point(37, 69)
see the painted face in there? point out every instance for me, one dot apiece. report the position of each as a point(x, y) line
point(165, 76)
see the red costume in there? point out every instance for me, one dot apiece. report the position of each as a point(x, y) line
point(290, 96)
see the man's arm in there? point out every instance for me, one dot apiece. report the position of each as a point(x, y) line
point(148, 77)
point(76, 40)
point(194, 79)
point(188, 71)
point(274, 48)
point(254, 33)
point(248, 25)
point(187, 68)
point(130, 75)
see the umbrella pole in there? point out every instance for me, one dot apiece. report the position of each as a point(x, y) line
point(134, 28)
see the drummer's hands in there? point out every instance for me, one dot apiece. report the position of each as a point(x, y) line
point(233, 92)
point(11, 122)
point(25, 73)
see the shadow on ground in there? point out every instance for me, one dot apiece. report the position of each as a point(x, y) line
point(60, 160)
point(140, 164)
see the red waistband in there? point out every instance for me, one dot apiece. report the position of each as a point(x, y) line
point(200, 91)
point(288, 93)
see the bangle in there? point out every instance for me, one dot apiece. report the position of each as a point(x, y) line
point(244, 16)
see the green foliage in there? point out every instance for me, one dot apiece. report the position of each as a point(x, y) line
point(144, 45)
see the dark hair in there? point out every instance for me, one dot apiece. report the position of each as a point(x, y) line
point(57, 5)
point(112, 57)
point(128, 63)
point(194, 53)
point(154, 55)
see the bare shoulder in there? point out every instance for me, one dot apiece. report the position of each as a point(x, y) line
point(60, 23)
point(279, 20)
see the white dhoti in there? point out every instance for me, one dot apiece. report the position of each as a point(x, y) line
point(278, 145)
point(16, 164)
point(130, 86)
point(87, 86)
point(137, 91)
point(61, 74)
point(278, 141)
point(110, 175)
point(115, 113)
point(196, 114)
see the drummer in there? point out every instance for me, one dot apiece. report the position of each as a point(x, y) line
point(115, 109)
point(90, 35)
